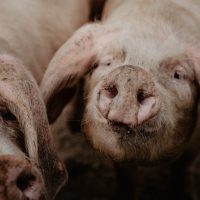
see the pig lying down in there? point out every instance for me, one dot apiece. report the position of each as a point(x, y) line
point(142, 74)
point(30, 33)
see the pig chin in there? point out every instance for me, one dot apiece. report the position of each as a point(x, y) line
point(151, 143)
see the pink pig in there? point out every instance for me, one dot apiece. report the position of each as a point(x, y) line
point(141, 67)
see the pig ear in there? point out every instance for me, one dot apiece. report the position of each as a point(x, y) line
point(194, 55)
point(20, 94)
point(71, 62)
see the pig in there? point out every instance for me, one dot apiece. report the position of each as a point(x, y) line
point(141, 70)
point(31, 31)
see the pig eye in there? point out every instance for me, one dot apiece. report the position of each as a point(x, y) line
point(177, 75)
point(7, 116)
point(108, 63)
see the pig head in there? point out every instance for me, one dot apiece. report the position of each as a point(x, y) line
point(29, 167)
point(141, 84)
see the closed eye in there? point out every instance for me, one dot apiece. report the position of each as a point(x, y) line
point(12, 128)
point(6, 115)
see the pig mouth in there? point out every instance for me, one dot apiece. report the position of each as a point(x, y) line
point(147, 131)
point(146, 144)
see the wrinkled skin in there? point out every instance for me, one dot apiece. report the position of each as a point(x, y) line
point(29, 165)
point(141, 70)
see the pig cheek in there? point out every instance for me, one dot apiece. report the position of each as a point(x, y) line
point(102, 138)
point(185, 96)
point(174, 112)
point(98, 132)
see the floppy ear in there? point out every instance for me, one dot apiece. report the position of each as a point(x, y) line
point(71, 62)
point(21, 96)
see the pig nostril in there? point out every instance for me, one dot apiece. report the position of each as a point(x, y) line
point(25, 181)
point(141, 96)
point(111, 91)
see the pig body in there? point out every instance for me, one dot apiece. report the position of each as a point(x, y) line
point(31, 31)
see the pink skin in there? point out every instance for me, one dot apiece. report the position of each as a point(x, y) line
point(119, 115)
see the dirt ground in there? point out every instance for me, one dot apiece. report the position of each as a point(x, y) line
point(94, 177)
point(89, 183)
point(91, 177)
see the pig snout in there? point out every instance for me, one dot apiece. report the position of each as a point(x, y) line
point(128, 96)
point(19, 180)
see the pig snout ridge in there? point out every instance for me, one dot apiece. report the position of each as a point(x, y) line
point(19, 180)
point(128, 96)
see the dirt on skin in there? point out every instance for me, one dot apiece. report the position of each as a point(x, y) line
point(91, 177)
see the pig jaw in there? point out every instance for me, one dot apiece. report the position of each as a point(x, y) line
point(162, 138)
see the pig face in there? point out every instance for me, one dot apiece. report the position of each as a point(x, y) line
point(140, 105)
point(29, 167)
point(140, 96)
